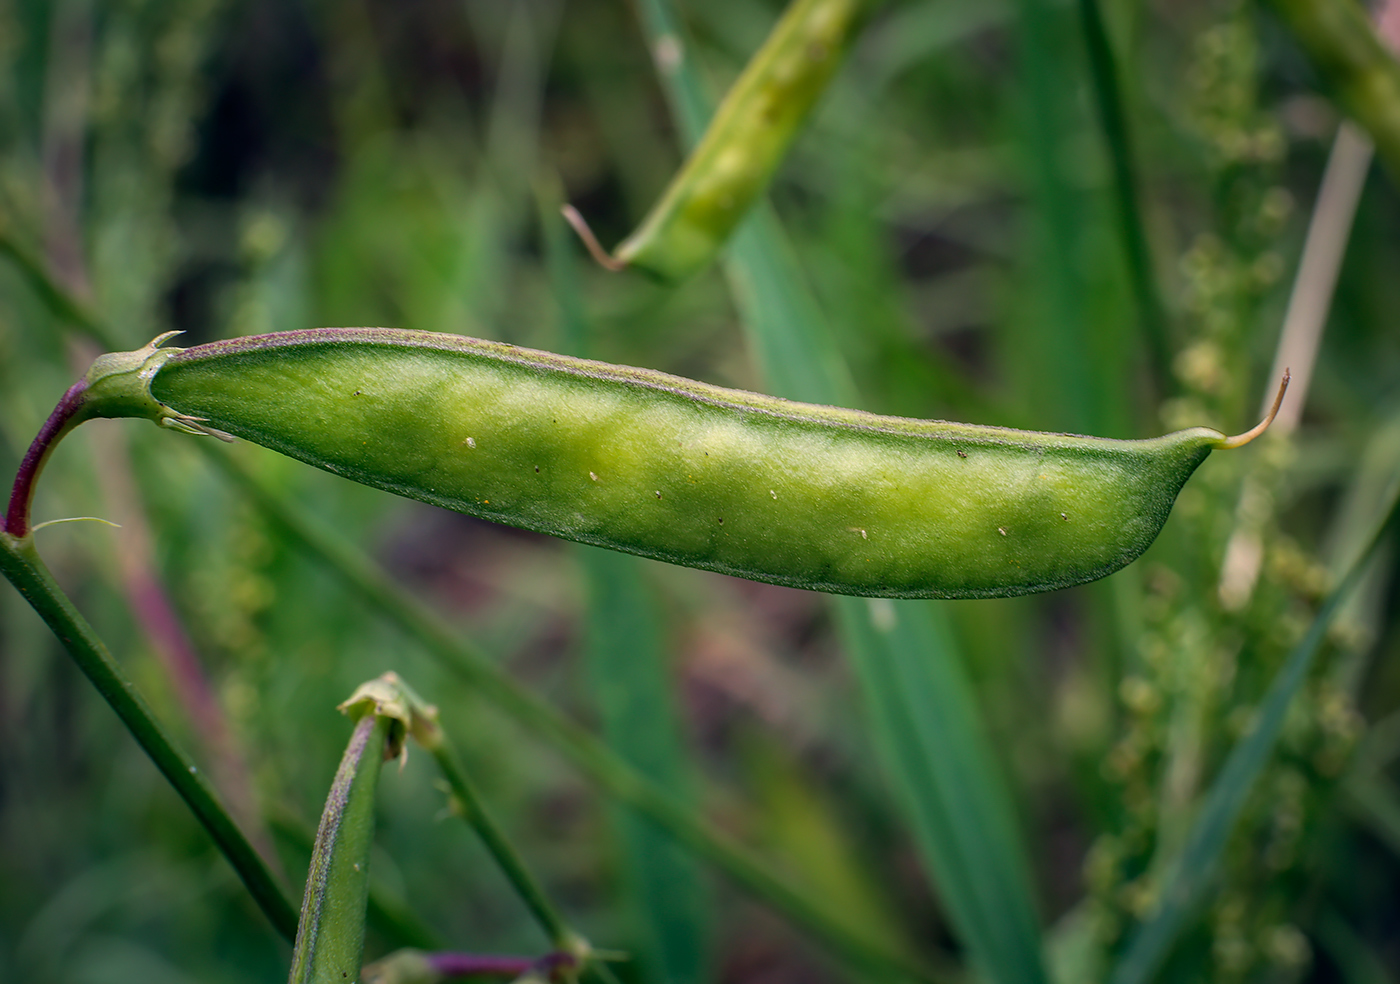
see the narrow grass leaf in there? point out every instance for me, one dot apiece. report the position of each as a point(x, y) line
point(1113, 120)
point(1374, 801)
point(926, 726)
point(1060, 376)
point(634, 695)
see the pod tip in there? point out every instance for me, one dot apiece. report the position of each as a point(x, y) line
point(580, 225)
point(1240, 440)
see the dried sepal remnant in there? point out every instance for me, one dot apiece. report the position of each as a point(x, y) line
point(331, 931)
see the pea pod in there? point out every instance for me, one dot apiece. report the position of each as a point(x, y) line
point(743, 145)
point(756, 486)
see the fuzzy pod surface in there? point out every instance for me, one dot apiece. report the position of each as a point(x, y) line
point(815, 497)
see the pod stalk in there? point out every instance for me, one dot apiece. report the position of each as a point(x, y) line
point(595, 249)
point(70, 412)
point(1240, 440)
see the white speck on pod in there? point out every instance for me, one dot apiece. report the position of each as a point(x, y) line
point(593, 475)
point(1001, 530)
point(470, 442)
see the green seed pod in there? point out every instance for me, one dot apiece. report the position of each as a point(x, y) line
point(331, 931)
point(743, 145)
point(791, 493)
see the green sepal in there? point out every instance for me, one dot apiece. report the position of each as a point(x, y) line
point(119, 385)
point(388, 696)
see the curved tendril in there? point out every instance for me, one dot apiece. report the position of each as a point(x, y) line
point(595, 248)
point(1240, 440)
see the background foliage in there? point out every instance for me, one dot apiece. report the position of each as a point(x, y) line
point(231, 168)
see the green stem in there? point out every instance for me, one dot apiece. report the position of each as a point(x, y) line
point(576, 744)
point(21, 564)
point(473, 811)
point(390, 695)
point(1108, 96)
point(67, 415)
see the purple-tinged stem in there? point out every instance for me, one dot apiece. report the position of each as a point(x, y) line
point(485, 965)
point(64, 418)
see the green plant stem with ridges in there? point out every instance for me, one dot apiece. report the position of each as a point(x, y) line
point(573, 742)
point(469, 805)
point(1355, 67)
point(21, 564)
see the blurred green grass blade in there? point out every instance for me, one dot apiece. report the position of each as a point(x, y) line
point(1374, 801)
point(627, 673)
point(1357, 961)
point(21, 565)
point(690, 103)
point(1062, 347)
point(782, 320)
point(920, 703)
point(1108, 98)
point(911, 33)
point(927, 731)
point(1185, 883)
